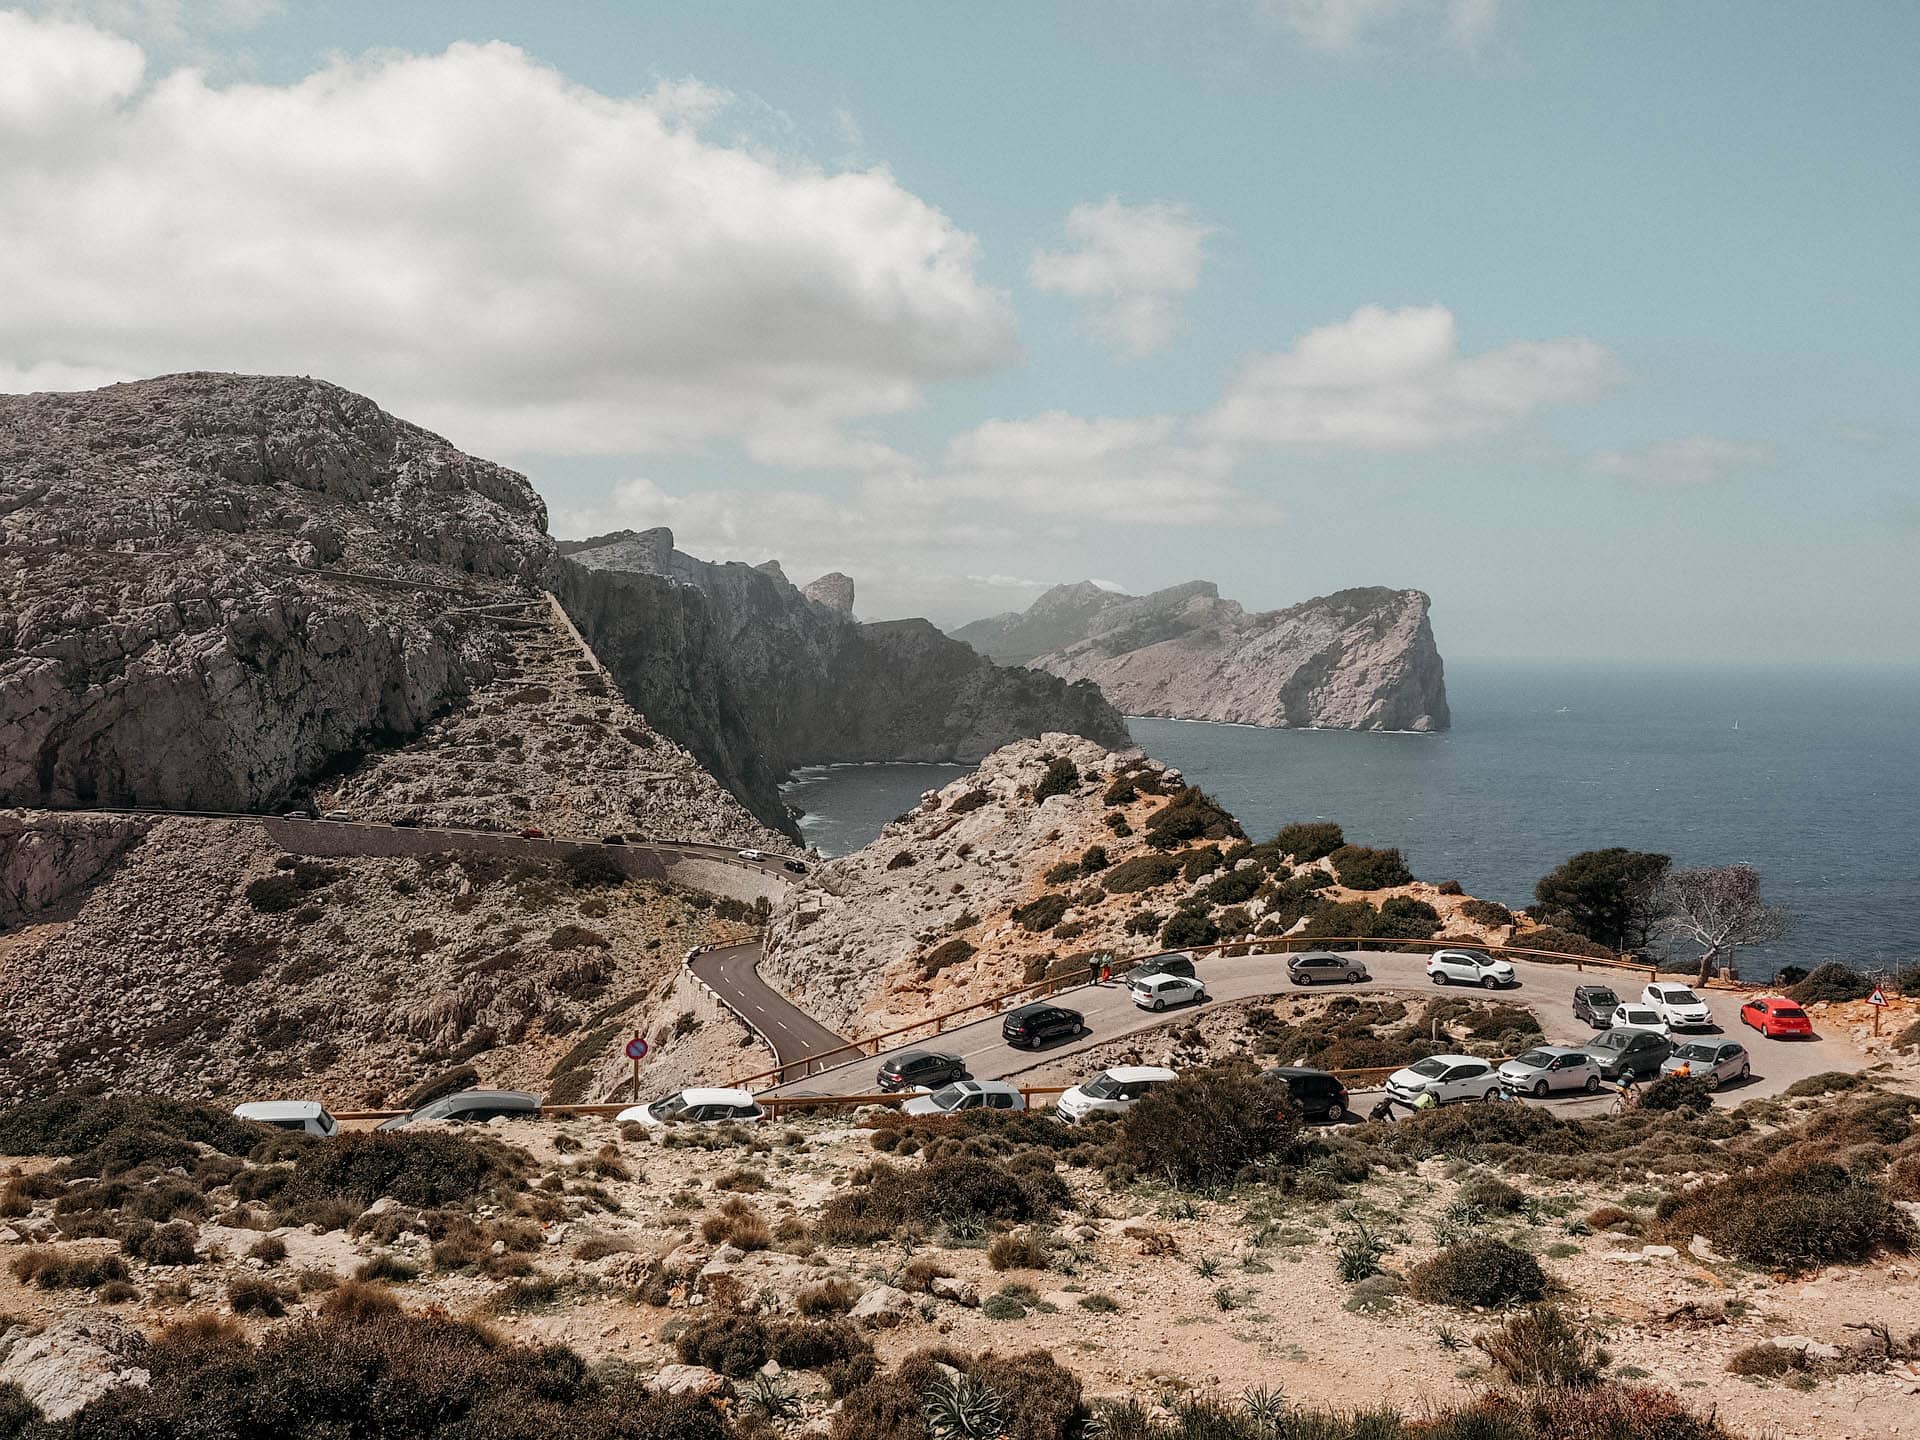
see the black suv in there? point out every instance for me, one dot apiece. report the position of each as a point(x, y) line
point(921, 1067)
point(1174, 963)
point(1594, 1004)
point(1032, 1025)
point(1319, 1095)
point(1626, 1051)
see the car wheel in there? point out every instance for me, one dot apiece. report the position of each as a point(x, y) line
point(1297, 980)
point(1079, 1029)
point(1336, 1112)
point(1493, 1094)
point(1203, 998)
point(1355, 977)
point(1539, 1089)
point(1713, 1081)
point(1746, 1071)
point(1158, 1003)
point(1439, 977)
point(1489, 983)
point(1593, 1083)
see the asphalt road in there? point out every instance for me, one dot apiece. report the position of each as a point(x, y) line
point(1546, 989)
point(733, 974)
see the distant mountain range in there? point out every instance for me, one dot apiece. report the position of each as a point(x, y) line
point(1361, 659)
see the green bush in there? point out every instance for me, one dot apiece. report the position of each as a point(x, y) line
point(964, 1190)
point(1402, 917)
point(1486, 912)
point(1540, 1349)
point(1305, 843)
point(1347, 917)
point(1236, 887)
point(1560, 942)
point(1791, 1216)
point(422, 1169)
point(953, 952)
point(1199, 862)
point(1832, 982)
point(1191, 814)
point(107, 1134)
point(969, 802)
point(1094, 859)
point(1210, 1127)
point(1121, 791)
point(1143, 872)
point(1480, 1273)
point(1678, 1092)
point(1188, 928)
point(592, 867)
point(1042, 914)
point(1062, 778)
point(1362, 868)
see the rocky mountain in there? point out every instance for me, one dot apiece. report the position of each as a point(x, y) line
point(757, 676)
point(1361, 659)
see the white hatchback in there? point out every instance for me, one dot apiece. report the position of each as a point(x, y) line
point(1157, 992)
point(1469, 967)
point(1678, 1006)
point(967, 1095)
point(1111, 1091)
point(695, 1107)
point(1638, 1017)
point(309, 1117)
point(1446, 1078)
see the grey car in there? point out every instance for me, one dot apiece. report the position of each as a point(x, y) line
point(1714, 1061)
point(1318, 967)
point(471, 1107)
point(1624, 1050)
point(1595, 1004)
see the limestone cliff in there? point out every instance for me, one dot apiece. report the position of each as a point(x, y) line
point(757, 677)
point(1361, 659)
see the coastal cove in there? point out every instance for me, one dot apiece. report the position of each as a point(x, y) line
point(1812, 776)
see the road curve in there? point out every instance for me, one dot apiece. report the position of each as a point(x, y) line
point(1111, 1015)
point(733, 973)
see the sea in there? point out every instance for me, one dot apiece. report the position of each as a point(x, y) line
point(1811, 776)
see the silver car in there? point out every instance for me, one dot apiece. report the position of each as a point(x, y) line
point(1551, 1067)
point(1714, 1061)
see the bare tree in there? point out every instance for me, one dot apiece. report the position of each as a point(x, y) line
point(1718, 908)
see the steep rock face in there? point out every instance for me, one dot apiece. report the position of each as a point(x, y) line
point(756, 678)
point(211, 586)
point(1361, 659)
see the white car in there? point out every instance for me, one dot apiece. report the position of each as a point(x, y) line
point(309, 1117)
point(967, 1095)
point(1678, 1006)
point(1714, 1061)
point(1630, 1016)
point(1470, 967)
point(1157, 992)
point(1551, 1067)
point(695, 1107)
point(1447, 1078)
point(751, 854)
point(1111, 1091)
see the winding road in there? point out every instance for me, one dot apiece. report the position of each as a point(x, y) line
point(732, 972)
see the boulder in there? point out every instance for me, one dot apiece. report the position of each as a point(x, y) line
point(882, 1307)
point(692, 1380)
point(72, 1362)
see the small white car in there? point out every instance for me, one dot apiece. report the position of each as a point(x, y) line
point(1714, 1061)
point(1470, 967)
point(1447, 1078)
point(1157, 992)
point(1550, 1067)
point(695, 1107)
point(1111, 1091)
point(751, 854)
point(967, 1095)
point(1630, 1016)
point(309, 1117)
point(1678, 1006)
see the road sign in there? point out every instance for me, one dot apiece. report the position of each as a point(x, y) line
point(1879, 997)
point(636, 1049)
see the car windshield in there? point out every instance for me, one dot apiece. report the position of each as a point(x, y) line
point(1534, 1060)
point(1101, 1087)
point(949, 1096)
point(1695, 1052)
point(1681, 996)
point(436, 1110)
point(668, 1108)
point(1602, 997)
point(1429, 1069)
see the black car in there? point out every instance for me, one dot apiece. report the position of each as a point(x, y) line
point(1033, 1025)
point(1318, 967)
point(1594, 1004)
point(1626, 1051)
point(916, 1068)
point(1319, 1095)
point(794, 865)
point(1174, 963)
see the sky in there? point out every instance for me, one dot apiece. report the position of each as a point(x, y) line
point(1599, 323)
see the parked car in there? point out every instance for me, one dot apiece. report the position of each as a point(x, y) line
point(1174, 962)
point(1595, 1004)
point(1638, 1017)
point(1319, 1095)
point(1157, 992)
point(471, 1107)
point(338, 815)
point(1677, 1005)
point(1470, 967)
point(967, 1095)
point(1551, 1067)
point(751, 854)
point(1446, 1077)
point(528, 832)
point(1033, 1025)
point(796, 866)
point(309, 1117)
point(1776, 1017)
point(698, 1106)
point(1320, 967)
point(1111, 1091)
point(921, 1070)
point(1627, 1051)
point(1714, 1061)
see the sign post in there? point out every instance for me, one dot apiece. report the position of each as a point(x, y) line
point(1878, 1000)
point(636, 1052)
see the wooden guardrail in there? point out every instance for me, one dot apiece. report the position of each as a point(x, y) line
point(772, 1104)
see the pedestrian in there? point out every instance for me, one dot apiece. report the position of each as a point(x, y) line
point(1106, 973)
point(1382, 1111)
point(1093, 970)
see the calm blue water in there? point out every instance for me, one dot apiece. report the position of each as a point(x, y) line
point(1812, 777)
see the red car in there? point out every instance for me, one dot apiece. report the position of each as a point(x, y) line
point(1775, 1017)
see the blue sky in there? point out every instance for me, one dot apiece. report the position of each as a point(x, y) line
point(1614, 308)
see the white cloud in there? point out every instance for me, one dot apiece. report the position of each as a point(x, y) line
point(1130, 262)
point(1680, 464)
point(1395, 380)
point(516, 260)
point(1345, 26)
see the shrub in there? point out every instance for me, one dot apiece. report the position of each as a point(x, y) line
point(1403, 918)
point(255, 1295)
point(953, 952)
point(736, 1345)
point(106, 1134)
point(1188, 927)
point(1143, 872)
point(1121, 791)
point(1093, 860)
point(1118, 823)
point(1208, 1127)
point(591, 867)
point(1560, 942)
point(830, 1297)
point(1486, 912)
point(1767, 1360)
point(48, 1268)
point(170, 1244)
point(1491, 1193)
point(1677, 1092)
point(1791, 1216)
point(577, 937)
point(1348, 917)
point(1018, 1252)
point(964, 1191)
point(1042, 914)
point(921, 1272)
point(1479, 1273)
point(1362, 868)
point(1191, 814)
point(1832, 982)
point(422, 1169)
point(1236, 887)
point(969, 802)
point(1305, 843)
point(1199, 862)
point(1059, 874)
point(1062, 778)
point(1539, 1348)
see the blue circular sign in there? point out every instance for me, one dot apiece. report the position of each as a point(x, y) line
point(636, 1048)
